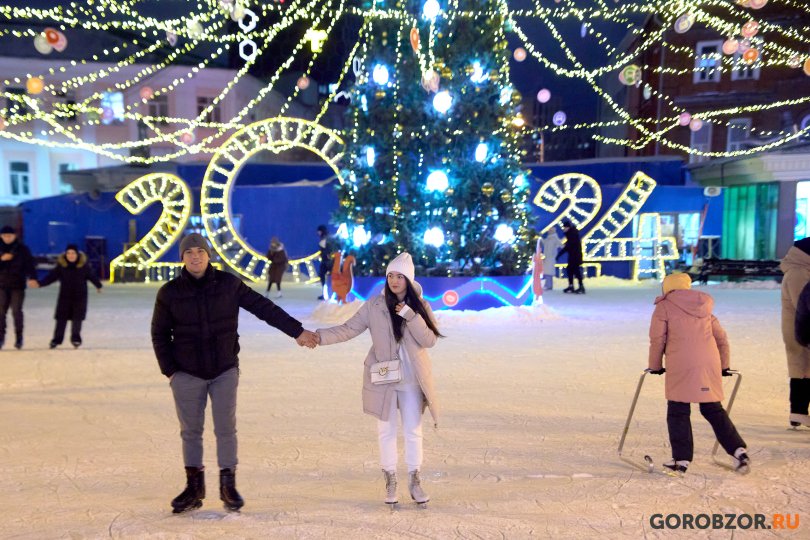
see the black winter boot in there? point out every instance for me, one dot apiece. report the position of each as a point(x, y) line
point(194, 493)
point(227, 490)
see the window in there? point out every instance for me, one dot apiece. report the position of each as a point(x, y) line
point(14, 102)
point(112, 107)
point(159, 108)
point(742, 70)
point(708, 60)
point(801, 229)
point(18, 172)
point(805, 124)
point(65, 106)
point(701, 140)
point(214, 115)
point(738, 132)
point(64, 187)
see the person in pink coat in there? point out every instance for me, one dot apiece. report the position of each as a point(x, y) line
point(684, 331)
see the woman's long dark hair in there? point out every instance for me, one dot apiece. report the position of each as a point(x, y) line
point(414, 302)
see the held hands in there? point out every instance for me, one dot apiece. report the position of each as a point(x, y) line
point(308, 339)
point(6, 256)
point(34, 284)
point(399, 307)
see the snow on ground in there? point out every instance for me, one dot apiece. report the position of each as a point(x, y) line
point(533, 404)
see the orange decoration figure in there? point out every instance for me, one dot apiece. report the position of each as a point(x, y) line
point(415, 39)
point(342, 278)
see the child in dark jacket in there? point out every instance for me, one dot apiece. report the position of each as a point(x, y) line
point(72, 273)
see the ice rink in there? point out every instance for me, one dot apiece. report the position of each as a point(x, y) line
point(533, 404)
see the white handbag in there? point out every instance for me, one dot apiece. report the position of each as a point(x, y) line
point(385, 372)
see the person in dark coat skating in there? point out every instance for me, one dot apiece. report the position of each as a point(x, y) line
point(325, 250)
point(278, 258)
point(72, 272)
point(573, 247)
point(196, 341)
point(16, 264)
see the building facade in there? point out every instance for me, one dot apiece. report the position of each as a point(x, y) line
point(36, 170)
point(764, 192)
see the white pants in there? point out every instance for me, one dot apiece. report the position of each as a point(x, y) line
point(410, 408)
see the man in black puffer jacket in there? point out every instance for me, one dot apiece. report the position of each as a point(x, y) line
point(16, 264)
point(194, 334)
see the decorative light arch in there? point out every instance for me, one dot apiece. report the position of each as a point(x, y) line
point(275, 135)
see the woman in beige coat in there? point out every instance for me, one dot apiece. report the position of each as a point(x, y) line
point(796, 267)
point(402, 327)
point(697, 356)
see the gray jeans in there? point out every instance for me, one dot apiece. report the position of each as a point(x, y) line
point(190, 398)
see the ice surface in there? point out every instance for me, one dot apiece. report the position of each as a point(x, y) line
point(533, 403)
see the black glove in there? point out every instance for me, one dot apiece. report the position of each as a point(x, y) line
point(727, 372)
point(657, 371)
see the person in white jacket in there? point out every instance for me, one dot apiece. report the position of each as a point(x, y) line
point(551, 247)
point(402, 327)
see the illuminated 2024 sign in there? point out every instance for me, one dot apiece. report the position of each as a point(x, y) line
point(581, 192)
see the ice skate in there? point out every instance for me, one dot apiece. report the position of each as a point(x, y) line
point(227, 490)
point(580, 290)
point(391, 497)
point(797, 420)
point(76, 344)
point(279, 295)
point(53, 345)
point(415, 487)
point(569, 289)
point(742, 463)
point(192, 496)
point(18, 343)
point(676, 467)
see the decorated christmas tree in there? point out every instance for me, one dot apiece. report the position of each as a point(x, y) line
point(432, 162)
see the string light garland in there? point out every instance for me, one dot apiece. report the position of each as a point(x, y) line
point(70, 124)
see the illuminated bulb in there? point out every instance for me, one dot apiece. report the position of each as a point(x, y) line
point(481, 152)
point(342, 231)
point(478, 75)
point(360, 237)
point(504, 234)
point(437, 181)
point(434, 237)
point(431, 10)
point(370, 156)
point(442, 101)
point(380, 74)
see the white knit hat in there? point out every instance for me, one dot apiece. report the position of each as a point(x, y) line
point(402, 264)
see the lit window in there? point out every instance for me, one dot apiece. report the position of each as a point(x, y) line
point(708, 60)
point(19, 175)
point(112, 107)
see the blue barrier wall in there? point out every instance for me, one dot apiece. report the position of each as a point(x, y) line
point(291, 213)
